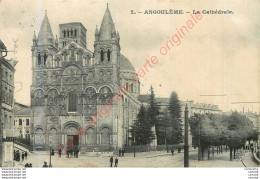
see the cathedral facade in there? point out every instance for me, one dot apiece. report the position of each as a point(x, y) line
point(87, 98)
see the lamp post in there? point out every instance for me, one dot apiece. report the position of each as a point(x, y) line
point(134, 139)
point(50, 166)
point(186, 145)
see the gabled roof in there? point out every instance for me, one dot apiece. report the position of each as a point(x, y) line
point(45, 36)
point(77, 46)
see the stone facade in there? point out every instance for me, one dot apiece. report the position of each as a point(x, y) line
point(75, 90)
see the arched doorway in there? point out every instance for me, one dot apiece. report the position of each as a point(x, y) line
point(105, 136)
point(71, 131)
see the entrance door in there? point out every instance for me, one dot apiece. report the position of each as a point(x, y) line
point(74, 139)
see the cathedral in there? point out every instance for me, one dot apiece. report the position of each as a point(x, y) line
point(72, 87)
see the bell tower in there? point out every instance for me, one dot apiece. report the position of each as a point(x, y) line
point(106, 45)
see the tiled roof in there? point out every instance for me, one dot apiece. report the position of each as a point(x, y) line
point(23, 112)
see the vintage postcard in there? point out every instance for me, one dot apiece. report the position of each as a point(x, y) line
point(117, 83)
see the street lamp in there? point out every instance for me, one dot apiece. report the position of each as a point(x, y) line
point(50, 166)
point(186, 145)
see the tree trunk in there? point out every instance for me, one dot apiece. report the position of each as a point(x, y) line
point(221, 149)
point(213, 151)
point(230, 149)
point(199, 153)
point(234, 153)
point(202, 152)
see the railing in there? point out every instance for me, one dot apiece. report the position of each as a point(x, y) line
point(20, 141)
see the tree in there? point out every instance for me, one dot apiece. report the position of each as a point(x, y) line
point(154, 112)
point(141, 131)
point(175, 120)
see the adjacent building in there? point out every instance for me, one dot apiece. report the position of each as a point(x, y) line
point(7, 103)
point(21, 122)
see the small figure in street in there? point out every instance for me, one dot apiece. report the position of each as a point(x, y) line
point(60, 152)
point(167, 148)
point(25, 155)
point(111, 161)
point(123, 152)
point(68, 152)
point(172, 151)
point(52, 152)
point(252, 150)
point(120, 151)
point(22, 157)
point(30, 165)
point(45, 165)
point(26, 165)
point(116, 162)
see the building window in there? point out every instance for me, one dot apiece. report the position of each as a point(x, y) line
point(39, 59)
point(20, 122)
point(72, 106)
point(71, 32)
point(27, 122)
point(102, 55)
point(75, 32)
point(68, 33)
point(64, 33)
point(44, 58)
point(108, 55)
point(132, 88)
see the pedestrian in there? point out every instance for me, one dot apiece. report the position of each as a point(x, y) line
point(123, 152)
point(60, 152)
point(25, 155)
point(172, 151)
point(22, 157)
point(26, 165)
point(116, 162)
point(68, 152)
point(52, 152)
point(111, 161)
point(45, 165)
point(77, 153)
point(30, 165)
point(120, 151)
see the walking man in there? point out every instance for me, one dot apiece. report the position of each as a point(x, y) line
point(60, 152)
point(172, 151)
point(111, 161)
point(116, 162)
point(120, 152)
point(123, 152)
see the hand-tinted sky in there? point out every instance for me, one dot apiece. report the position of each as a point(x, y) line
point(220, 55)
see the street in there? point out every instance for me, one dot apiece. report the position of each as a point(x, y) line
point(146, 159)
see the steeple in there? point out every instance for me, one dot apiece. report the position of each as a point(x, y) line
point(106, 28)
point(45, 36)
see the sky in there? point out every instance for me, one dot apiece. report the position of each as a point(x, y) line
point(218, 56)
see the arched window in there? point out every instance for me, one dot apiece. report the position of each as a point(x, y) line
point(20, 122)
point(127, 84)
point(45, 58)
point(27, 122)
point(71, 32)
point(64, 34)
point(75, 32)
point(91, 138)
point(102, 55)
point(68, 33)
point(105, 136)
point(72, 103)
point(108, 55)
point(39, 59)
point(132, 88)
